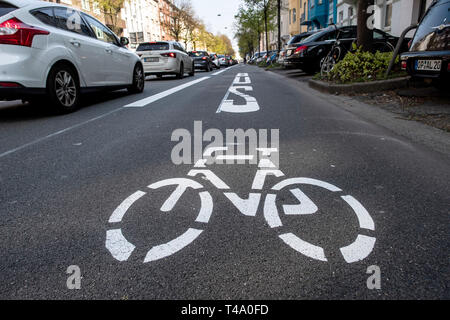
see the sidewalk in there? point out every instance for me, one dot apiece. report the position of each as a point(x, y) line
point(393, 110)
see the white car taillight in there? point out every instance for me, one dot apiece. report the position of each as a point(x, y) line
point(15, 32)
point(169, 55)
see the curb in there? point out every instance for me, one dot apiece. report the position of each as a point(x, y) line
point(360, 87)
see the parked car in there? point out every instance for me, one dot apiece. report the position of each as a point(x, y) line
point(312, 50)
point(229, 60)
point(260, 57)
point(223, 61)
point(292, 45)
point(429, 56)
point(215, 60)
point(281, 56)
point(255, 57)
point(202, 60)
point(43, 52)
point(165, 58)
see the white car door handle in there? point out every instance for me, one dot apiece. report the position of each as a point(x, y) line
point(75, 43)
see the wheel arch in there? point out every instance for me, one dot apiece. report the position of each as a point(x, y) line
point(67, 63)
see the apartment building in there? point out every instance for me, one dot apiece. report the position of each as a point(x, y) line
point(285, 35)
point(142, 21)
point(91, 7)
point(298, 16)
point(165, 12)
point(392, 16)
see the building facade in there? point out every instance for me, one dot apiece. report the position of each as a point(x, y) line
point(92, 8)
point(318, 14)
point(392, 16)
point(142, 21)
point(298, 14)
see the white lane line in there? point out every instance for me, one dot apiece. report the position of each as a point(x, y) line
point(153, 98)
point(57, 133)
point(219, 72)
point(161, 95)
point(171, 247)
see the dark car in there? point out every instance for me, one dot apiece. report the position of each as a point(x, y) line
point(429, 56)
point(202, 60)
point(292, 45)
point(310, 52)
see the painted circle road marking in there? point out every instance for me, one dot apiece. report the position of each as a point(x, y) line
point(121, 249)
point(356, 251)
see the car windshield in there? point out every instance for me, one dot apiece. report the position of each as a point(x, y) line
point(197, 54)
point(153, 46)
point(433, 28)
point(6, 8)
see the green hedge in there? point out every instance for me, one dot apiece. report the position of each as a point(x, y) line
point(360, 66)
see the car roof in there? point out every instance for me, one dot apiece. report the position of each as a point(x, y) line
point(34, 3)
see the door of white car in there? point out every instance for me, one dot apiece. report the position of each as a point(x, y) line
point(85, 49)
point(114, 72)
point(123, 63)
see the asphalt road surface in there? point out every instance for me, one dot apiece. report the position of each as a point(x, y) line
point(63, 177)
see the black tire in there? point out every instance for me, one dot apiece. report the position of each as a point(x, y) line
point(138, 80)
point(63, 88)
point(192, 73)
point(208, 68)
point(180, 74)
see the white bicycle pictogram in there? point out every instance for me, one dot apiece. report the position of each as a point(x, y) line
point(121, 249)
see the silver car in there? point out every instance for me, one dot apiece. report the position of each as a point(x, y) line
point(165, 57)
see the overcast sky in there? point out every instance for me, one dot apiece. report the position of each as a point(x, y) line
point(207, 10)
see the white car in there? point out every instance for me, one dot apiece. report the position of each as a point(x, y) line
point(165, 57)
point(215, 60)
point(48, 48)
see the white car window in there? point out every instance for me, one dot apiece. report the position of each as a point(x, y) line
point(70, 20)
point(101, 32)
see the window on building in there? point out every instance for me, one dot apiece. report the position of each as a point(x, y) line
point(294, 15)
point(85, 5)
point(350, 12)
point(388, 14)
point(341, 16)
point(290, 16)
point(312, 4)
point(320, 2)
point(95, 7)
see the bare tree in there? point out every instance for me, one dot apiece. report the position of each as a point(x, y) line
point(179, 17)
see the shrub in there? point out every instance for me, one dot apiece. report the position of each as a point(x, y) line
point(262, 64)
point(361, 66)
